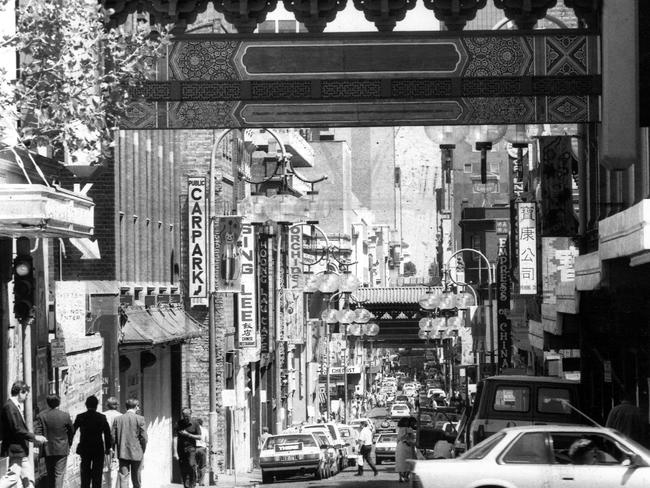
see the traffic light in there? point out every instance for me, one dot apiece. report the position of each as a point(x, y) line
point(249, 379)
point(23, 275)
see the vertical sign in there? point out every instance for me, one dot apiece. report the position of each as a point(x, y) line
point(295, 257)
point(294, 316)
point(197, 221)
point(263, 290)
point(247, 309)
point(527, 248)
point(230, 258)
point(557, 218)
point(504, 327)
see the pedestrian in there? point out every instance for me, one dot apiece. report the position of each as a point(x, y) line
point(627, 419)
point(188, 432)
point(365, 448)
point(94, 443)
point(405, 448)
point(202, 453)
point(16, 437)
point(130, 442)
point(56, 426)
point(111, 464)
point(265, 435)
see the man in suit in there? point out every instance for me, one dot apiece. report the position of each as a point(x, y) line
point(130, 441)
point(92, 448)
point(16, 438)
point(56, 426)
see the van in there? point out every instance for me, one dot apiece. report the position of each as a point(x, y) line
point(509, 401)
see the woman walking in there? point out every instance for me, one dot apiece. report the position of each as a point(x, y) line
point(405, 448)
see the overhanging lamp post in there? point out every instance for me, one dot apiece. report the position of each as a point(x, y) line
point(481, 137)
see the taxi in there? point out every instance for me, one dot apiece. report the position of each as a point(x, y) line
point(292, 454)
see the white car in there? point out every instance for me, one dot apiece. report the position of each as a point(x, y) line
point(385, 445)
point(400, 410)
point(293, 453)
point(542, 456)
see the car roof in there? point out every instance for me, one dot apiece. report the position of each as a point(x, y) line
point(527, 379)
point(555, 427)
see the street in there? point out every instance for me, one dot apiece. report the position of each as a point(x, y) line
point(346, 479)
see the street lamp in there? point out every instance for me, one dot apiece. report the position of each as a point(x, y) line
point(481, 137)
point(490, 282)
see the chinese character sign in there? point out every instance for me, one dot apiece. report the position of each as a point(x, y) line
point(197, 255)
point(558, 264)
point(527, 248)
point(247, 313)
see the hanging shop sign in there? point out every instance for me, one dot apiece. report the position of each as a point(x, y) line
point(558, 265)
point(263, 290)
point(295, 257)
point(31, 210)
point(246, 298)
point(197, 232)
point(230, 254)
point(557, 218)
point(527, 248)
point(293, 314)
point(504, 326)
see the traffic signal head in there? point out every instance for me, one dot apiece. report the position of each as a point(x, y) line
point(23, 276)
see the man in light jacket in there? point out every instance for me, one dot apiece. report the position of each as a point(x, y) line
point(130, 441)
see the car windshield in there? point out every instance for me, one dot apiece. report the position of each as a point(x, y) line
point(304, 439)
point(480, 450)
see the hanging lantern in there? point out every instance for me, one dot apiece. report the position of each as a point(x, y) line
point(330, 316)
point(348, 283)
point(354, 329)
point(423, 334)
point(517, 135)
point(312, 282)
point(464, 300)
point(329, 283)
point(253, 208)
point(362, 315)
point(447, 300)
point(345, 316)
point(454, 322)
point(426, 324)
point(446, 136)
point(371, 329)
point(430, 300)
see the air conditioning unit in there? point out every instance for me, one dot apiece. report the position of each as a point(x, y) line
point(150, 300)
point(126, 300)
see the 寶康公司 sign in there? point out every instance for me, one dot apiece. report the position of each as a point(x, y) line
point(197, 249)
point(527, 222)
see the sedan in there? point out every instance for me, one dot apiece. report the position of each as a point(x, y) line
point(385, 445)
point(290, 454)
point(562, 456)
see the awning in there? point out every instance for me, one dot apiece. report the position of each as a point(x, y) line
point(157, 326)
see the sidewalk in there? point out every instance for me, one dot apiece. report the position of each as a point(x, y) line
point(241, 480)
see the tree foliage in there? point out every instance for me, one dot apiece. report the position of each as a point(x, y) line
point(74, 75)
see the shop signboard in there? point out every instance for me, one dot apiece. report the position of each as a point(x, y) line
point(504, 327)
point(247, 296)
point(527, 237)
point(197, 234)
point(263, 291)
point(295, 258)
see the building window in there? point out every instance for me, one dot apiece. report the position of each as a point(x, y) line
point(467, 168)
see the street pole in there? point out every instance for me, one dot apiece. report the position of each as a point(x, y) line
point(212, 332)
point(490, 318)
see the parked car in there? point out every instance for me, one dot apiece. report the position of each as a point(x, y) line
point(338, 443)
point(385, 445)
point(350, 436)
point(539, 456)
point(290, 454)
point(356, 423)
point(332, 455)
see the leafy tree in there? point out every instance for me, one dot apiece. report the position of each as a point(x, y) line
point(74, 75)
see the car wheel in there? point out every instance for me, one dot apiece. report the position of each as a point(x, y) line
point(267, 478)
